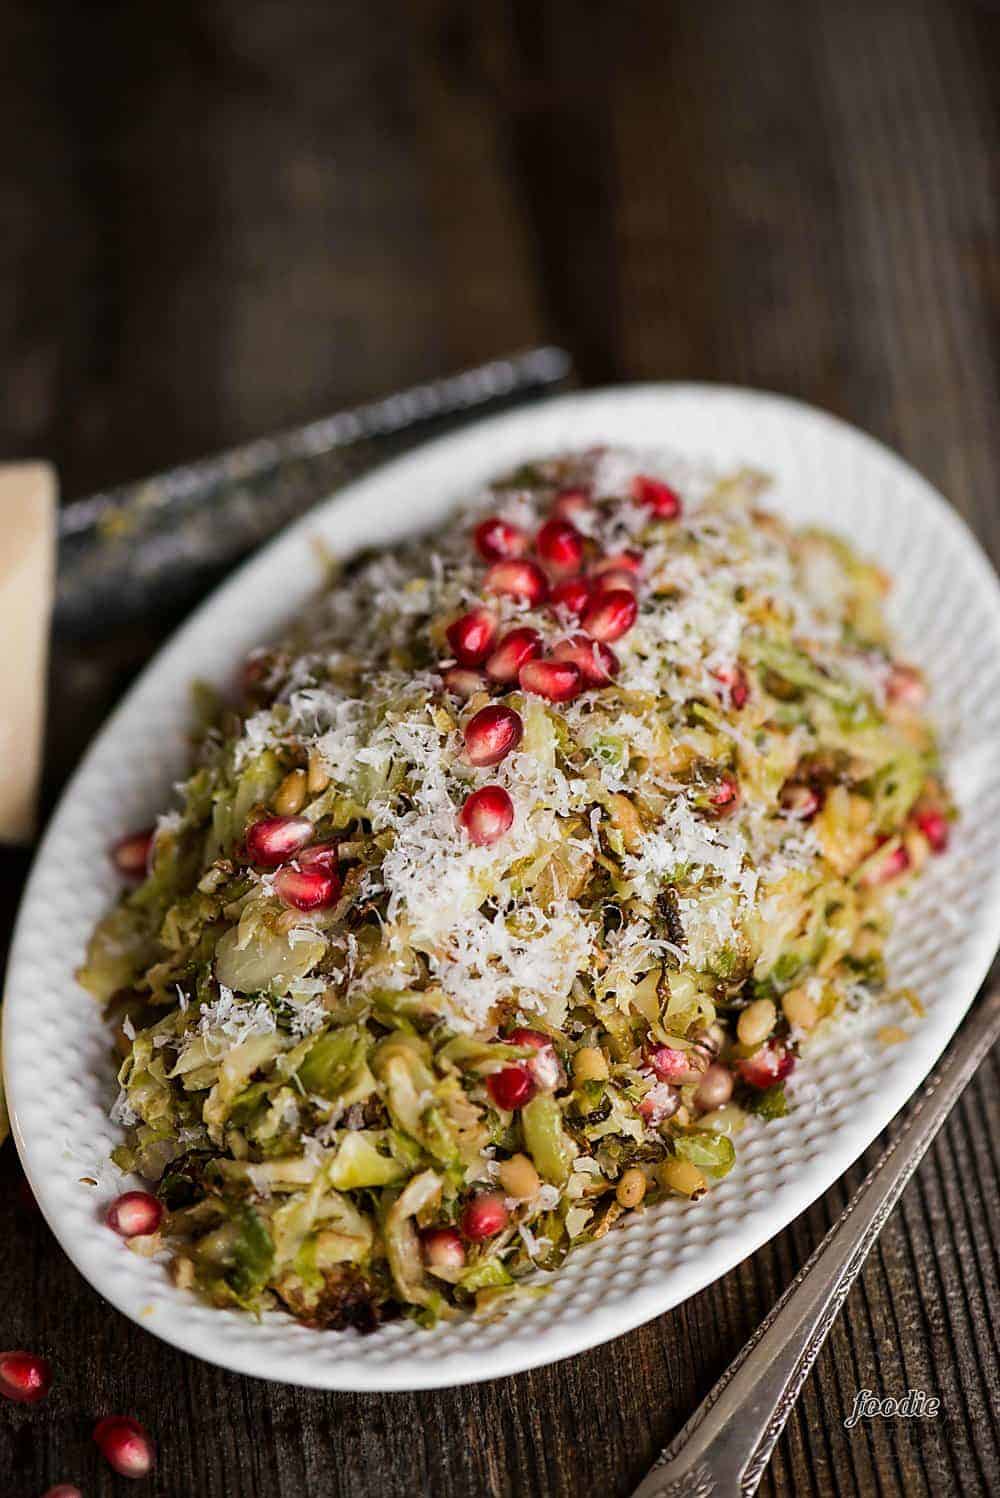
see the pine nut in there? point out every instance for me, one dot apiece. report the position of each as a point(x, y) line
point(518, 1177)
point(715, 1088)
point(590, 1064)
point(756, 1022)
point(631, 1188)
point(290, 797)
point(683, 1177)
point(799, 1009)
point(317, 778)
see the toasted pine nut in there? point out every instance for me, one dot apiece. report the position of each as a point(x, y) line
point(518, 1177)
point(290, 797)
point(625, 817)
point(683, 1177)
point(756, 1022)
point(715, 1088)
point(317, 778)
point(182, 1272)
point(631, 1188)
point(590, 1064)
point(799, 1009)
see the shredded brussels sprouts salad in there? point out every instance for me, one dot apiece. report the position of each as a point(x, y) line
point(516, 880)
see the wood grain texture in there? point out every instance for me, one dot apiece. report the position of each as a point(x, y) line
point(221, 218)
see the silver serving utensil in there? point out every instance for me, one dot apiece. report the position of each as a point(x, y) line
point(724, 1448)
point(160, 543)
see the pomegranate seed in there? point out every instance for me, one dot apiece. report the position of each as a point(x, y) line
point(462, 682)
point(571, 596)
point(735, 679)
point(556, 681)
point(724, 795)
point(272, 840)
point(768, 1065)
point(890, 866)
point(307, 889)
point(597, 662)
point(443, 1248)
point(63, 1490)
point(471, 637)
point(672, 1065)
point(656, 496)
point(933, 823)
point(497, 539)
point(660, 1102)
point(130, 855)
point(484, 1216)
point(25, 1378)
point(492, 734)
point(511, 1088)
point(516, 647)
point(570, 502)
point(560, 546)
point(544, 1067)
point(800, 801)
point(905, 685)
point(620, 561)
point(519, 578)
point(125, 1445)
point(323, 856)
point(614, 581)
point(487, 814)
point(135, 1214)
point(610, 615)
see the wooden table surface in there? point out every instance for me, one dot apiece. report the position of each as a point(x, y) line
point(220, 218)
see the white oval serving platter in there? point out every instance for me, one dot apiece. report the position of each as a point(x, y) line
point(58, 1071)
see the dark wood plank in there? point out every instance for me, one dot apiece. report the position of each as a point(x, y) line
point(220, 219)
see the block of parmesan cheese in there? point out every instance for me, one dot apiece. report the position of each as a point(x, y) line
point(27, 570)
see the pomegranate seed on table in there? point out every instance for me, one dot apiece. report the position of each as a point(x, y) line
point(471, 637)
point(735, 678)
point(520, 578)
point(25, 1377)
point(497, 539)
point(724, 795)
point(515, 647)
point(556, 681)
point(933, 823)
point(135, 1214)
point(800, 801)
point(487, 815)
point(443, 1248)
point(491, 735)
point(768, 1065)
point(570, 502)
point(484, 1216)
point(63, 1490)
point(656, 496)
point(273, 839)
point(307, 889)
point(610, 615)
point(125, 1445)
point(511, 1088)
point(571, 596)
point(560, 545)
point(597, 662)
point(130, 855)
point(905, 685)
point(462, 682)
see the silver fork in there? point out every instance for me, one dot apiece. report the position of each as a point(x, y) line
point(724, 1448)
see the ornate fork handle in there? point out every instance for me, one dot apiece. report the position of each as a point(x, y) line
point(724, 1448)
